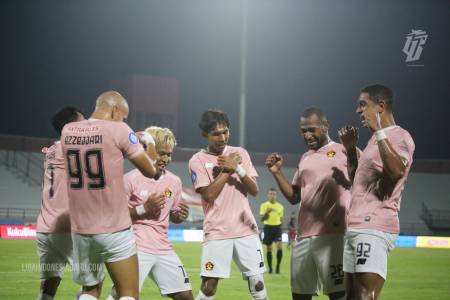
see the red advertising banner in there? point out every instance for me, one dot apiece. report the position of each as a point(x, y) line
point(17, 232)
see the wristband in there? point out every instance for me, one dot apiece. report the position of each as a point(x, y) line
point(147, 138)
point(380, 135)
point(240, 171)
point(140, 210)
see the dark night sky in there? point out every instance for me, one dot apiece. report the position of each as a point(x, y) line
point(300, 53)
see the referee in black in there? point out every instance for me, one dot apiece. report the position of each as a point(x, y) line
point(271, 213)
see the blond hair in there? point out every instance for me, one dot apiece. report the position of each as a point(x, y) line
point(162, 136)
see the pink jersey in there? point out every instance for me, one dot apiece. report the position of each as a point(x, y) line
point(151, 235)
point(54, 215)
point(374, 204)
point(324, 191)
point(229, 216)
point(94, 151)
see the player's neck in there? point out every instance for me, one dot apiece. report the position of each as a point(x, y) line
point(216, 153)
point(101, 115)
point(325, 143)
point(387, 121)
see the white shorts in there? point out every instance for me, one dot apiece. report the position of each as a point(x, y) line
point(167, 272)
point(246, 252)
point(91, 251)
point(315, 262)
point(367, 250)
point(54, 252)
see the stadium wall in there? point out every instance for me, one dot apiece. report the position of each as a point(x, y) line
point(196, 235)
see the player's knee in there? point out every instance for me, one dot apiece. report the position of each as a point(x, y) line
point(209, 287)
point(257, 287)
point(209, 290)
point(50, 285)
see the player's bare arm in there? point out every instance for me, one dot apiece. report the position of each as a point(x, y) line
point(274, 163)
point(148, 143)
point(152, 208)
point(349, 136)
point(212, 191)
point(145, 165)
point(266, 215)
point(394, 165)
point(180, 215)
point(231, 163)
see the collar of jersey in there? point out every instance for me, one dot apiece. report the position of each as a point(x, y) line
point(209, 153)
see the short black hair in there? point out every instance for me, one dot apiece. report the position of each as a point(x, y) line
point(211, 118)
point(64, 116)
point(272, 189)
point(378, 92)
point(310, 111)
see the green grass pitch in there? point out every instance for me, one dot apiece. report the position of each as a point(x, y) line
point(413, 274)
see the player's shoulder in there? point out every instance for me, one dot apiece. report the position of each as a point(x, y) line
point(236, 149)
point(197, 155)
point(337, 146)
point(70, 127)
point(133, 174)
point(171, 176)
point(400, 131)
point(51, 151)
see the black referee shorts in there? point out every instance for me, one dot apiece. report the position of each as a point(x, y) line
point(272, 233)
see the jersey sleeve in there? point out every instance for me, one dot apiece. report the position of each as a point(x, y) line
point(199, 176)
point(130, 190)
point(296, 178)
point(247, 164)
point(127, 141)
point(404, 146)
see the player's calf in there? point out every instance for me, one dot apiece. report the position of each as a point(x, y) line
point(257, 287)
point(208, 288)
point(49, 287)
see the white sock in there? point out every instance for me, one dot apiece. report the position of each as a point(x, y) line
point(44, 297)
point(202, 296)
point(110, 298)
point(127, 298)
point(86, 297)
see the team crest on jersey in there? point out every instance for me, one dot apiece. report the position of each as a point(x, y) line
point(209, 266)
point(133, 138)
point(331, 153)
point(168, 193)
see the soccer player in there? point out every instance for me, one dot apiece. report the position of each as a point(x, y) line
point(321, 186)
point(379, 177)
point(94, 151)
point(223, 175)
point(54, 242)
point(271, 213)
point(152, 204)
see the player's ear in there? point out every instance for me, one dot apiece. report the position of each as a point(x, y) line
point(381, 106)
point(114, 110)
point(204, 134)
